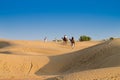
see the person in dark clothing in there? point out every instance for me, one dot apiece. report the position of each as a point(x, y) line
point(72, 42)
point(65, 40)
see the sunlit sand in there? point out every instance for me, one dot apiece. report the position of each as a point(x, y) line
point(37, 60)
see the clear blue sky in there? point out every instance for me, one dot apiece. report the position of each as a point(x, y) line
point(35, 19)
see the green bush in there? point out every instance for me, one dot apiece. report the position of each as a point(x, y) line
point(84, 38)
point(111, 38)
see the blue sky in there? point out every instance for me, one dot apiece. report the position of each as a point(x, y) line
point(35, 19)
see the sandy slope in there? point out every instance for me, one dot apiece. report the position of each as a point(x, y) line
point(36, 60)
point(13, 66)
point(23, 59)
point(112, 73)
point(39, 48)
point(101, 62)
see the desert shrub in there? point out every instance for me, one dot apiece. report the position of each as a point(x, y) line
point(84, 38)
point(57, 40)
point(111, 38)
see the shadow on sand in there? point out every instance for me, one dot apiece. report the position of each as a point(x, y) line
point(86, 59)
point(63, 64)
point(4, 44)
point(5, 52)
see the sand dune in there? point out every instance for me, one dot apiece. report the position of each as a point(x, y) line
point(22, 59)
point(12, 66)
point(36, 60)
point(112, 73)
point(39, 47)
point(100, 62)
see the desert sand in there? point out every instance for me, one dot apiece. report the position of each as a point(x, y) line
point(36, 60)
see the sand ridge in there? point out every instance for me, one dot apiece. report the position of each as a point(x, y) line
point(100, 62)
point(54, 61)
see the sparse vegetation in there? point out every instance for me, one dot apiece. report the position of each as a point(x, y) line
point(111, 38)
point(84, 38)
point(57, 40)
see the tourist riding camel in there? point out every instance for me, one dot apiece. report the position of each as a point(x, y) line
point(65, 40)
point(72, 42)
